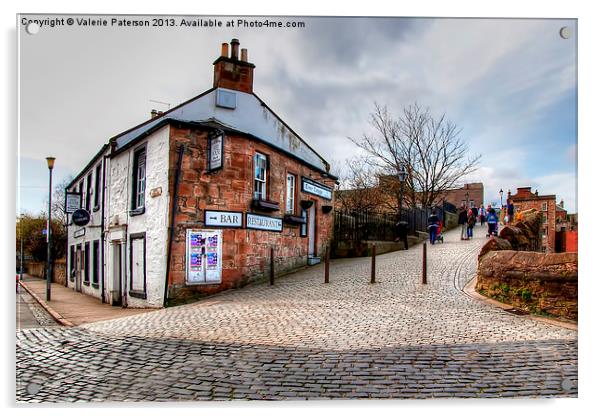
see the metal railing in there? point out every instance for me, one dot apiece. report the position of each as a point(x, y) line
point(369, 225)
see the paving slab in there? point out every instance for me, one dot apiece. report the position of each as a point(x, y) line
point(74, 307)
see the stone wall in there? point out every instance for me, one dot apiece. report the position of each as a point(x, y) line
point(38, 269)
point(246, 252)
point(542, 283)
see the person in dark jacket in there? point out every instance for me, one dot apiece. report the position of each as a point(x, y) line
point(401, 231)
point(510, 211)
point(491, 222)
point(433, 225)
point(462, 220)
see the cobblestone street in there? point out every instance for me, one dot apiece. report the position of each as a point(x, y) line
point(304, 339)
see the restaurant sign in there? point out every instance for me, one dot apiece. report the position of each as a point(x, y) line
point(263, 222)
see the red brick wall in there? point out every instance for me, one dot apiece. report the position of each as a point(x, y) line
point(245, 251)
point(571, 241)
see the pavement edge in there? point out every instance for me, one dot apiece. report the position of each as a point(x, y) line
point(55, 315)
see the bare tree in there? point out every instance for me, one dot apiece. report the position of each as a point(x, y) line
point(58, 201)
point(429, 148)
point(359, 187)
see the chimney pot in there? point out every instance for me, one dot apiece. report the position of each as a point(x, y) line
point(234, 48)
point(243, 54)
point(225, 49)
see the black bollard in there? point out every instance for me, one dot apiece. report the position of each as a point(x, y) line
point(424, 263)
point(327, 265)
point(373, 271)
point(271, 266)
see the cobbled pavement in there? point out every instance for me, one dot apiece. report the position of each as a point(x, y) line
point(303, 339)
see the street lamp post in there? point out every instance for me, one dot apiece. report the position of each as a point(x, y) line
point(402, 178)
point(50, 161)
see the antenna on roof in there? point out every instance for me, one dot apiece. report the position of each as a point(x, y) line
point(161, 102)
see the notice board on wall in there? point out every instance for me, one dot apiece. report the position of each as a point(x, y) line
point(203, 257)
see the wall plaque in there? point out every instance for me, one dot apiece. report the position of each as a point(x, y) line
point(215, 153)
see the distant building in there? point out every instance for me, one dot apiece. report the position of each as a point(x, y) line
point(524, 199)
point(471, 195)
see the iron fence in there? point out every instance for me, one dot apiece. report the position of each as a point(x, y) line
point(369, 225)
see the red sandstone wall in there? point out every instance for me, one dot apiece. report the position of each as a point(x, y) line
point(245, 251)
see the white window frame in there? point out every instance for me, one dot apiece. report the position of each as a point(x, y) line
point(291, 186)
point(260, 176)
point(544, 206)
point(139, 177)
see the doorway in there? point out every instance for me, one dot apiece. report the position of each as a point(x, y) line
point(117, 289)
point(79, 268)
point(311, 230)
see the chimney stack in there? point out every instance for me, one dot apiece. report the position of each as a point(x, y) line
point(154, 113)
point(562, 203)
point(231, 72)
point(234, 49)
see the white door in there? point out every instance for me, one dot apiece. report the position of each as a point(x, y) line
point(311, 230)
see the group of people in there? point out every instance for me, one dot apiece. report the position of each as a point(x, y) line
point(467, 218)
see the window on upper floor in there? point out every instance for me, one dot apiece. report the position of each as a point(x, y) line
point(260, 173)
point(97, 185)
point(88, 191)
point(544, 206)
point(138, 179)
point(290, 193)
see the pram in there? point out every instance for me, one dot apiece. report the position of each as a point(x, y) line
point(439, 231)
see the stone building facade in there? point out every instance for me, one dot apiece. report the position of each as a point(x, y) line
point(196, 199)
point(524, 199)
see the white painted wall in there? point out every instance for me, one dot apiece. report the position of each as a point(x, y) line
point(154, 220)
point(93, 232)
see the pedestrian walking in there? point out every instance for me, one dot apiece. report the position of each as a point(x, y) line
point(482, 214)
point(433, 226)
point(401, 230)
point(510, 211)
point(491, 222)
point(470, 223)
point(462, 220)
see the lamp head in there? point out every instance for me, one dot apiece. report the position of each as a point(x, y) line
point(50, 160)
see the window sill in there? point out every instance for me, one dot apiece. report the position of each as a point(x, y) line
point(137, 294)
point(265, 205)
point(95, 285)
point(294, 219)
point(86, 283)
point(96, 208)
point(137, 211)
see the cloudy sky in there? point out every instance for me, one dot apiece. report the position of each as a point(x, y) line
point(510, 84)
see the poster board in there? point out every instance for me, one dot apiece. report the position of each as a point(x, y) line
point(203, 257)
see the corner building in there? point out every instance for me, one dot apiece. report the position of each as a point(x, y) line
point(197, 198)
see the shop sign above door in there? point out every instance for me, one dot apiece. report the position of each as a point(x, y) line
point(315, 188)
